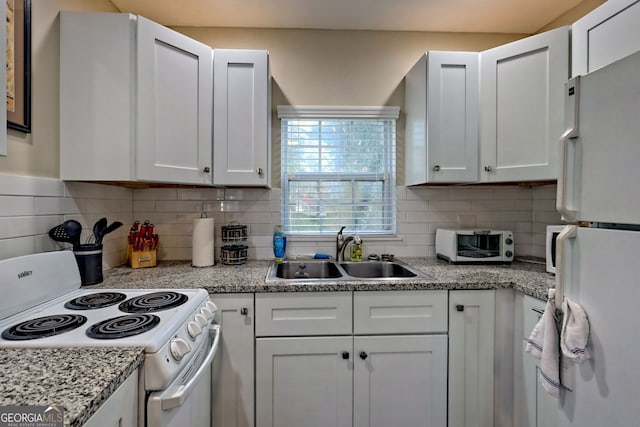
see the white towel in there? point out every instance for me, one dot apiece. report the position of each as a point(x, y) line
point(544, 345)
point(575, 332)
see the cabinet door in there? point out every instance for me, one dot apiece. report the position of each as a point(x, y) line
point(400, 381)
point(304, 382)
point(174, 110)
point(605, 35)
point(121, 408)
point(233, 379)
point(471, 352)
point(522, 88)
point(442, 100)
point(242, 117)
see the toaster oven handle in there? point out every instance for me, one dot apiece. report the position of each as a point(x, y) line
point(182, 392)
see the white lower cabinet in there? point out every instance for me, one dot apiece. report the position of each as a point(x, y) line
point(233, 372)
point(400, 380)
point(304, 381)
point(471, 358)
point(533, 406)
point(121, 408)
point(388, 378)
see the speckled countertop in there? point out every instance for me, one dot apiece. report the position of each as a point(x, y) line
point(79, 379)
point(528, 277)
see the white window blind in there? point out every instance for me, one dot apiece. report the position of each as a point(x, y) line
point(338, 169)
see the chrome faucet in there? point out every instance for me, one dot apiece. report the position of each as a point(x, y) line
point(341, 243)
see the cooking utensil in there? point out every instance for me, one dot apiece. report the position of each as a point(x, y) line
point(59, 234)
point(110, 228)
point(98, 229)
point(73, 229)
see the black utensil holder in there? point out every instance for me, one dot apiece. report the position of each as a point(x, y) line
point(89, 259)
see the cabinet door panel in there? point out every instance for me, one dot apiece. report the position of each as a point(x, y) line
point(605, 35)
point(442, 118)
point(401, 382)
point(233, 374)
point(242, 117)
point(522, 107)
point(174, 133)
point(304, 382)
point(471, 358)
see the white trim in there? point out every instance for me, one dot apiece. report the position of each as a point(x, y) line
point(339, 112)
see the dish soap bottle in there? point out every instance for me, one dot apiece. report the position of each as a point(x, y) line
point(279, 243)
point(356, 249)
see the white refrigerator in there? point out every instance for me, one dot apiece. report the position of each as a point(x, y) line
point(599, 266)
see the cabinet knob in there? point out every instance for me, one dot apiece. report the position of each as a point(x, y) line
point(460, 307)
point(363, 355)
point(488, 168)
point(206, 169)
point(436, 168)
point(259, 171)
point(244, 311)
point(345, 355)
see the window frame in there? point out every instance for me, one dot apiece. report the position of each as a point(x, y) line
point(388, 178)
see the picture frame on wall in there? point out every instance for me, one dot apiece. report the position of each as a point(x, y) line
point(19, 65)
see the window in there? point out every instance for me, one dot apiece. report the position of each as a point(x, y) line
point(338, 168)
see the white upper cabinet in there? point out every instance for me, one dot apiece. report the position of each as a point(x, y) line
point(442, 118)
point(608, 33)
point(135, 101)
point(522, 105)
point(242, 118)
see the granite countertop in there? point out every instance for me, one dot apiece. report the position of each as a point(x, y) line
point(528, 276)
point(79, 379)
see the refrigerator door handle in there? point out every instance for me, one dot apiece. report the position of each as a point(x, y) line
point(568, 232)
point(566, 188)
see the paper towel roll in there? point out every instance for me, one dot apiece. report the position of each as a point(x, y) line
point(203, 247)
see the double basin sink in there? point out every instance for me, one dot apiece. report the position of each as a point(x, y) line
point(318, 270)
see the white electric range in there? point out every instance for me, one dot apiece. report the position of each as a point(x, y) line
point(43, 305)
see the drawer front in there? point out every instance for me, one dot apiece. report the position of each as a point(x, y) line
point(307, 313)
point(400, 312)
point(532, 312)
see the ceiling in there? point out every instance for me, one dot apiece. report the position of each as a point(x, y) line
point(491, 16)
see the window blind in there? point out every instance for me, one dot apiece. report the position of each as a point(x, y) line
point(338, 169)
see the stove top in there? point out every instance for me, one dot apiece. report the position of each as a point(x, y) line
point(43, 305)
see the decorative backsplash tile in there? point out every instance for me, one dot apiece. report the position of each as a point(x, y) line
point(30, 206)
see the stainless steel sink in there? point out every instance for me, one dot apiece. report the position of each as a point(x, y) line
point(318, 270)
point(378, 269)
point(303, 270)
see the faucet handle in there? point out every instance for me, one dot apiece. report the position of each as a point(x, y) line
point(342, 228)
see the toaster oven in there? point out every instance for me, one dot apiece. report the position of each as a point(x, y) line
point(474, 246)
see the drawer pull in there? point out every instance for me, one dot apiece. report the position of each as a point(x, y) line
point(244, 311)
point(460, 307)
point(345, 355)
point(363, 355)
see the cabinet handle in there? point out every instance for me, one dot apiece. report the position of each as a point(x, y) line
point(363, 355)
point(460, 307)
point(244, 311)
point(259, 171)
point(206, 169)
point(488, 168)
point(345, 355)
point(436, 168)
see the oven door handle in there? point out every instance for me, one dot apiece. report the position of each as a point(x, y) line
point(179, 394)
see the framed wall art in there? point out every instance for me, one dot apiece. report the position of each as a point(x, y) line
point(19, 65)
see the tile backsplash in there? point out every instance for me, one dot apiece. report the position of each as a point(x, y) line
point(30, 206)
